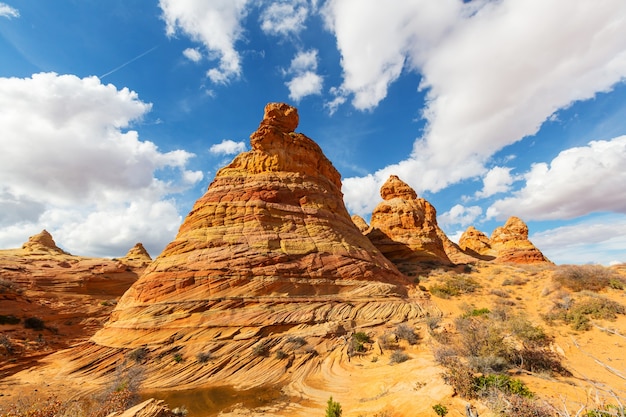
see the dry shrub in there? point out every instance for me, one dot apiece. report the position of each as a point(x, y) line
point(587, 277)
point(578, 313)
point(398, 356)
point(406, 332)
point(454, 285)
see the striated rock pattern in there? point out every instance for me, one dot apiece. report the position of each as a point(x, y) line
point(476, 243)
point(42, 266)
point(42, 242)
point(508, 244)
point(360, 223)
point(404, 228)
point(268, 262)
point(512, 245)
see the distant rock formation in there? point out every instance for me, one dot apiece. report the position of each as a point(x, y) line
point(267, 261)
point(42, 242)
point(508, 244)
point(138, 252)
point(404, 228)
point(360, 222)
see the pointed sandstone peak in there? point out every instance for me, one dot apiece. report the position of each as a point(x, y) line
point(42, 242)
point(476, 243)
point(138, 252)
point(360, 222)
point(267, 254)
point(404, 228)
point(394, 187)
point(512, 245)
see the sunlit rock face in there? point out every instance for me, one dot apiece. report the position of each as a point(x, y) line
point(267, 260)
point(404, 228)
point(507, 244)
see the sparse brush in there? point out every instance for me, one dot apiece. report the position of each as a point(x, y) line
point(587, 277)
point(34, 323)
point(455, 285)
point(138, 355)
point(406, 332)
point(204, 357)
point(398, 356)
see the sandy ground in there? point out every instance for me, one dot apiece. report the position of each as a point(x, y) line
point(368, 384)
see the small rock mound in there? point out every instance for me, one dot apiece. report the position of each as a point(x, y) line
point(507, 244)
point(138, 253)
point(42, 242)
point(360, 222)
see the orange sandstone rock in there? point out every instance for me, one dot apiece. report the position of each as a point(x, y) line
point(512, 245)
point(360, 222)
point(508, 244)
point(267, 256)
point(42, 242)
point(404, 228)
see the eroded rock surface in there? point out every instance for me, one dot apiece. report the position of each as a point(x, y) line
point(267, 272)
point(507, 244)
point(404, 228)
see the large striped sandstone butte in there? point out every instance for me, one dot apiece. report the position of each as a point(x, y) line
point(267, 274)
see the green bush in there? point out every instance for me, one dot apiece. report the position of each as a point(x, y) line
point(333, 408)
point(178, 358)
point(440, 410)
point(578, 313)
point(503, 383)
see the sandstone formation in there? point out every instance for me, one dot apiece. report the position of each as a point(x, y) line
point(404, 228)
point(512, 245)
point(42, 243)
point(476, 243)
point(508, 244)
point(268, 262)
point(360, 223)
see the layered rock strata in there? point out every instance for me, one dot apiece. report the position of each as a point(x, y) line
point(266, 272)
point(404, 228)
point(507, 244)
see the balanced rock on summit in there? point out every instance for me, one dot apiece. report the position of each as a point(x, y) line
point(268, 256)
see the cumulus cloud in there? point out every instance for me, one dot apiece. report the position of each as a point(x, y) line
point(192, 54)
point(596, 240)
point(479, 100)
point(227, 147)
point(215, 24)
point(578, 181)
point(8, 11)
point(284, 18)
point(460, 215)
point(496, 180)
point(68, 158)
point(305, 80)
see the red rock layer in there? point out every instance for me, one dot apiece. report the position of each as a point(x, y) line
point(269, 253)
point(404, 228)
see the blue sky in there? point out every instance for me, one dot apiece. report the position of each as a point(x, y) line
point(115, 116)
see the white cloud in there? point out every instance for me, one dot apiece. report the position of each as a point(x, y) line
point(598, 240)
point(284, 18)
point(493, 72)
point(227, 147)
point(497, 180)
point(69, 164)
point(8, 11)
point(305, 80)
point(215, 24)
point(578, 181)
point(460, 215)
point(192, 54)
